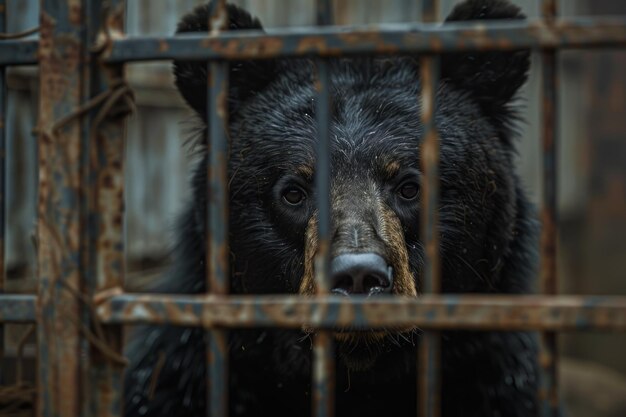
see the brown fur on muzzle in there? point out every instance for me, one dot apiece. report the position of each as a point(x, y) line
point(397, 256)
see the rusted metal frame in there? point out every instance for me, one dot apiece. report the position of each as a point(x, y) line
point(17, 308)
point(549, 395)
point(323, 348)
point(429, 349)
point(430, 312)
point(412, 38)
point(217, 216)
point(18, 52)
point(102, 159)
point(60, 227)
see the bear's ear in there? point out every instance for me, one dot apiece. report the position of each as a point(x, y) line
point(494, 77)
point(246, 77)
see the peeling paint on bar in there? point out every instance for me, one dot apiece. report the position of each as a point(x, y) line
point(383, 39)
point(104, 199)
point(61, 376)
point(524, 312)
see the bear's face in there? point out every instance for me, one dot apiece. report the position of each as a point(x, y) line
point(375, 170)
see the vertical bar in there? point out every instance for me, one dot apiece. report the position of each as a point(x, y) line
point(3, 150)
point(60, 230)
point(323, 344)
point(429, 351)
point(430, 10)
point(549, 282)
point(217, 216)
point(103, 258)
point(324, 12)
point(323, 349)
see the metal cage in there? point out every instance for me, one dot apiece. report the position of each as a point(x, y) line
point(80, 306)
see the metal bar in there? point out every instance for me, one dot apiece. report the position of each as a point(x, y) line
point(323, 375)
point(332, 41)
point(429, 152)
point(19, 52)
point(17, 308)
point(324, 12)
point(323, 344)
point(519, 312)
point(429, 350)
point(430, 11)
point(324, 360)
point(3, 150)
point(217, 216)
point(103, 193)
point(549, 279)
point(322, 175)
point(61, 347)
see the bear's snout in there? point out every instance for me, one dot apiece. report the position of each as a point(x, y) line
point(360, 274)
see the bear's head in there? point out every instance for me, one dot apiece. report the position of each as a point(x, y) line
point(376, 134)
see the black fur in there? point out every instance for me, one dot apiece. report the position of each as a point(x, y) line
point(488, 230)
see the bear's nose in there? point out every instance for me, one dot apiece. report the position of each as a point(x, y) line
point(360, 273)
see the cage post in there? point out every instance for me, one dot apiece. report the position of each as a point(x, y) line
point(549, 278)
point(60, 231)
point(323, 348)
point(324, 12)
point(429, 375)
point(217, 215)
point(80, 213)
point(323, 387)
point(103, 158)
point(3, 149)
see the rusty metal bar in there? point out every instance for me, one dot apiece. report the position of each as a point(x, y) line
point(103, 192)
point(332, 41)
point(17, 308)
point(18, 52)
point(324, 363)
point(61, 237)
point(548, 394)
point(323, 386)
point(429, 350)
point(430, 11)
point(324, 12)
point(3, 199)
point(429, 152)
point(217, 215)
point(510, 312)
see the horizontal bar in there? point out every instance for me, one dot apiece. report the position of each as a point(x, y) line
point(383, 39)
point(17, 308)
point(18, 52)
point(501, 312)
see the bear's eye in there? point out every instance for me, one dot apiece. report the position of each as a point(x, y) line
point(294, 196)
point(408, 190)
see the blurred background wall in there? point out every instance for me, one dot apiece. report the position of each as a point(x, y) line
point(592, 162)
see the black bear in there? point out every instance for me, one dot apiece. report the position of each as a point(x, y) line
point(487, 226)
